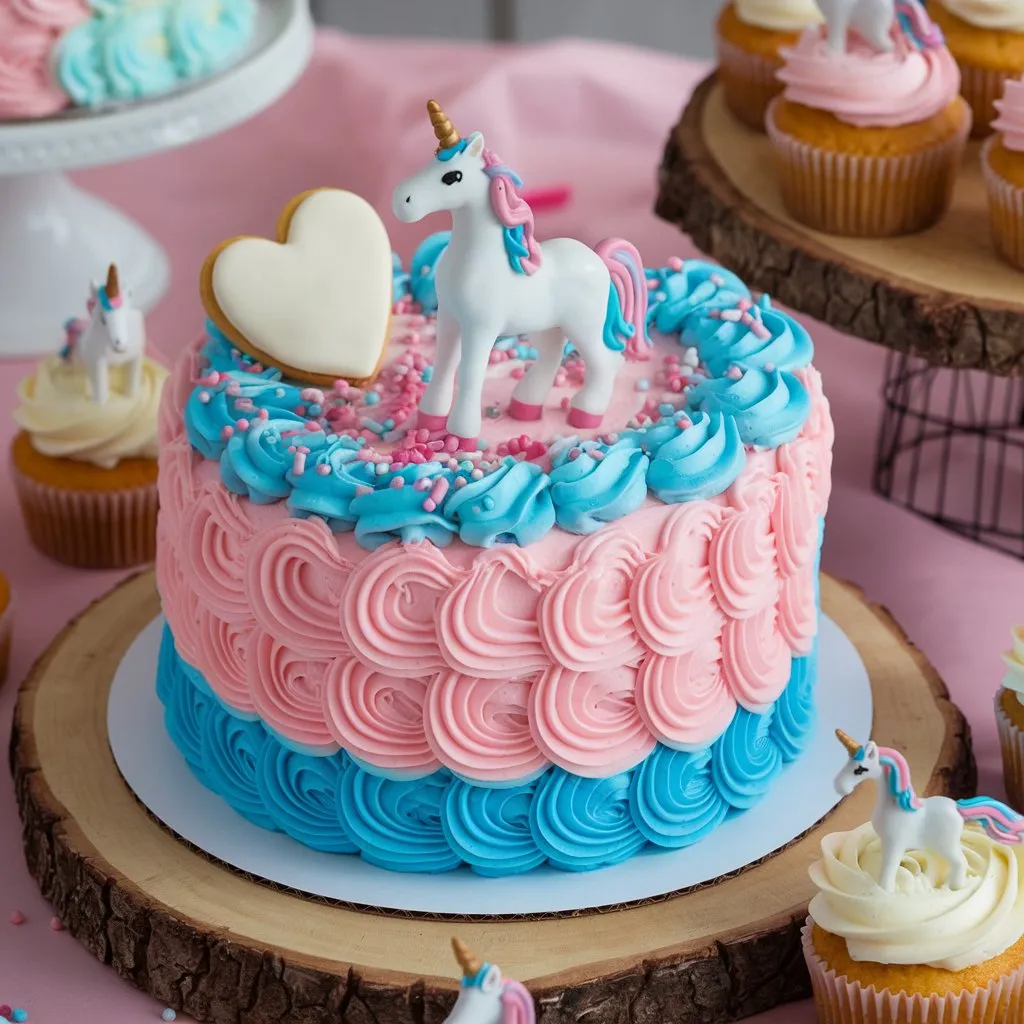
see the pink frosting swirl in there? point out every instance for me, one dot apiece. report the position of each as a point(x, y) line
point(389, 609)
point(176, 485)
point(222, 650)
point(287, 692)
point(480, 728)
point(1010, 122)
point(215, 537)
point(868, 89)
point(683, 699)
point(170, 422)
point(294, 582)
point(588, 722)
point(807, 462)
point(377, 718)
point(798, 611)
point(755, 660)
point(487, 625)
point(27, 88)
point(742, 554)
point(176, 596)
point(672, 600)
point(585, 619)
point(794, 520)
point(58, 14)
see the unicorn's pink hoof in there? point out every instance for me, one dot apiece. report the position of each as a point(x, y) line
point(468, 444)
point(584, 420)
point(427, 422)
point(524, 410)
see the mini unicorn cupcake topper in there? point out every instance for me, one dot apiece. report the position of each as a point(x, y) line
point(904, 821)
point(495, 279)
point(875, 20)
point(485, 997)
point(114, 334)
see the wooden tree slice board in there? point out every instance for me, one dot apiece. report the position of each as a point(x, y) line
point(206, 940)
point(942, 294)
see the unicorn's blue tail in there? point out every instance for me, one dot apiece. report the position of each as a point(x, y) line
point(625, 325)
point(999, 821)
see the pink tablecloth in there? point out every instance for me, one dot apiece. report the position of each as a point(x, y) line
point(591, 114)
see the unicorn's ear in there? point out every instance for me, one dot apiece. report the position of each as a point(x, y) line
point(871, 750)
point(475, 144)
point(492, 979)
point(94, 289)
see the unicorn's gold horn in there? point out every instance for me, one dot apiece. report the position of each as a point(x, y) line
point(113, 284)
point(852, 746)
point(445, 131)
point(469, 963)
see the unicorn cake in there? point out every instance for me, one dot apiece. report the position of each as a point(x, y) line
point(503, 561)
point(90, 53)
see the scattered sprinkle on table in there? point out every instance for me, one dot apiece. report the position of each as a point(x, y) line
point(17, 917)
point(19, 1016)
point(56, 924)
point(168, 1014)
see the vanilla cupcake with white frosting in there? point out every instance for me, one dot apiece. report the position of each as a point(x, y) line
point(1010, 719)
point(750, 34)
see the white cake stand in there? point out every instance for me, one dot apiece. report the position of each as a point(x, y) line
point(54, 237)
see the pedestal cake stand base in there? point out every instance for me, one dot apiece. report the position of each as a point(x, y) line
point(223, 947)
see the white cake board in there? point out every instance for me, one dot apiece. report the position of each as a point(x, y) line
point(54, 238)
point(157, 773)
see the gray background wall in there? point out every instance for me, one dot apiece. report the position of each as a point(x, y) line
point(681, 26)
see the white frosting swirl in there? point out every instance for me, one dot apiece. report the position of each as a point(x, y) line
point(923, 921)
point(779, 15)
point(1004, 15)
point(1014, 658)
point(59, 414)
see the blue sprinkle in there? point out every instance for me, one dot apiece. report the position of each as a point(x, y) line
point(643, 385)
point(315, 410)
point(370, 424)
point(389, 424)
point(427, 375)
point(660, 296)
point(371, 398)
point(19, 1016)
point(488, 503)
point(666, 409)
point(168, 1015)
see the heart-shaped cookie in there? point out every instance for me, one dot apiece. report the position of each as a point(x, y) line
point(316, 303)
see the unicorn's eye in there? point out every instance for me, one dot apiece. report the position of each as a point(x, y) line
point(452, 177)
point(861, 770)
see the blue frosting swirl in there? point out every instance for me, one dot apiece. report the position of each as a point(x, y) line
point(298, 793)
point(201, 44)
point(186, 708)
point(679, 295)
point(795, 712)
point(423, 268)
point(584, 823)
point(397, 513)
point(330, 495)
point(399, 278)
point(232, 750)
point(703, 460)
point(511, 505)
point(397, 824)
point(256, 462)
point(220, 354)
point(768, 407)
point(603, 483)
point(78, 68)
point(724, 343)
point(746, 759)
point(490, 828)
point(675, 800)
point(168, 662)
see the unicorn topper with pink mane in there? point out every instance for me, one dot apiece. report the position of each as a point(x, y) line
point(485, 996)
point(496, 280)
point(904, 821)
point(880, 23)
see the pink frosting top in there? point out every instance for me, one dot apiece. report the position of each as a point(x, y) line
point(29, 30)
point(1010, 122)
point(866, 88)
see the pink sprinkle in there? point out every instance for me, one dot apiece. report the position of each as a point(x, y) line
point(226, 432)
point(451, 443)
point(313, 427)
point(234, 389)
point(6, 1012)
point(413, 338)
point(518, 373)
point(439, 490)
point(212, 379)
point(56, 924)
point(574, 454)
point(651, 284)
point(423, 484)
point(340, 384)
point(496, 356)
point(302, 450)
point(675, 263)
point(299, 463)
point(363, 489)
point(760, 332)
point(477, 474)
point(397, 483)
point(244, 405)
point(685, 422)
point(264, 414)
point(731, 315)
point(299, 410)
point(597, 455)
point(769, 367)
point(17, 917)
point(671, 360)
point(717, 280)
point(565, 403)
point(734, 373)
point(460, 481)
point(256, 368)
point(743, 305)
point(204, 397)
point(429, 505)
point(312, 395)
point(242, 425)
point(323, 469)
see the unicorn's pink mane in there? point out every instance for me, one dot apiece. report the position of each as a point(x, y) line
point(517, 1004)
point(511, 208)
point(897, 771)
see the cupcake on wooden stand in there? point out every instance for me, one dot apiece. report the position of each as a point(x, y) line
point(1010, 720)
point(84, 461)
point(6, 625)
point(1002, 161)
point(919, 915)
point(870, 128)
point(749, 35)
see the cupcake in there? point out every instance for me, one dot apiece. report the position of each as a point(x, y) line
point(750, 34)
point(84, 461)
point(919, 914)
point(868, 140)
point(6, 616)
point(1002, 161)
point(987, 39)
point(1010, 719)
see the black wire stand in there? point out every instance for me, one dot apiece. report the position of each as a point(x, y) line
point(951, 449)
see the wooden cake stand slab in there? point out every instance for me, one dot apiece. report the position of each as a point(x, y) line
point(943, 294)
point(225, 948)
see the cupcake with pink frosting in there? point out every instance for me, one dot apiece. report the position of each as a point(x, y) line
point(870, 129)
point(1002, 161)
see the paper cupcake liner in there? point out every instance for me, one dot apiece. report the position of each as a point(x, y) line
point(90, 529)
point(981, 87)
point(1005, 211)
point(866, 196)
point(1011, 743)
point(6, 632)
point(839, 1000)
point(748, 83)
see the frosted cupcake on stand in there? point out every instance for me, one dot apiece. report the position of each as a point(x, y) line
point(1002, 161)
point(1010, 719)
point(749, 36)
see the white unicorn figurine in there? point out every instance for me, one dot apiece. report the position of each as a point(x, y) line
point(874, 21)
point(486, 997)
point(495, 280)
point(904, 821)
point(114, 334)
